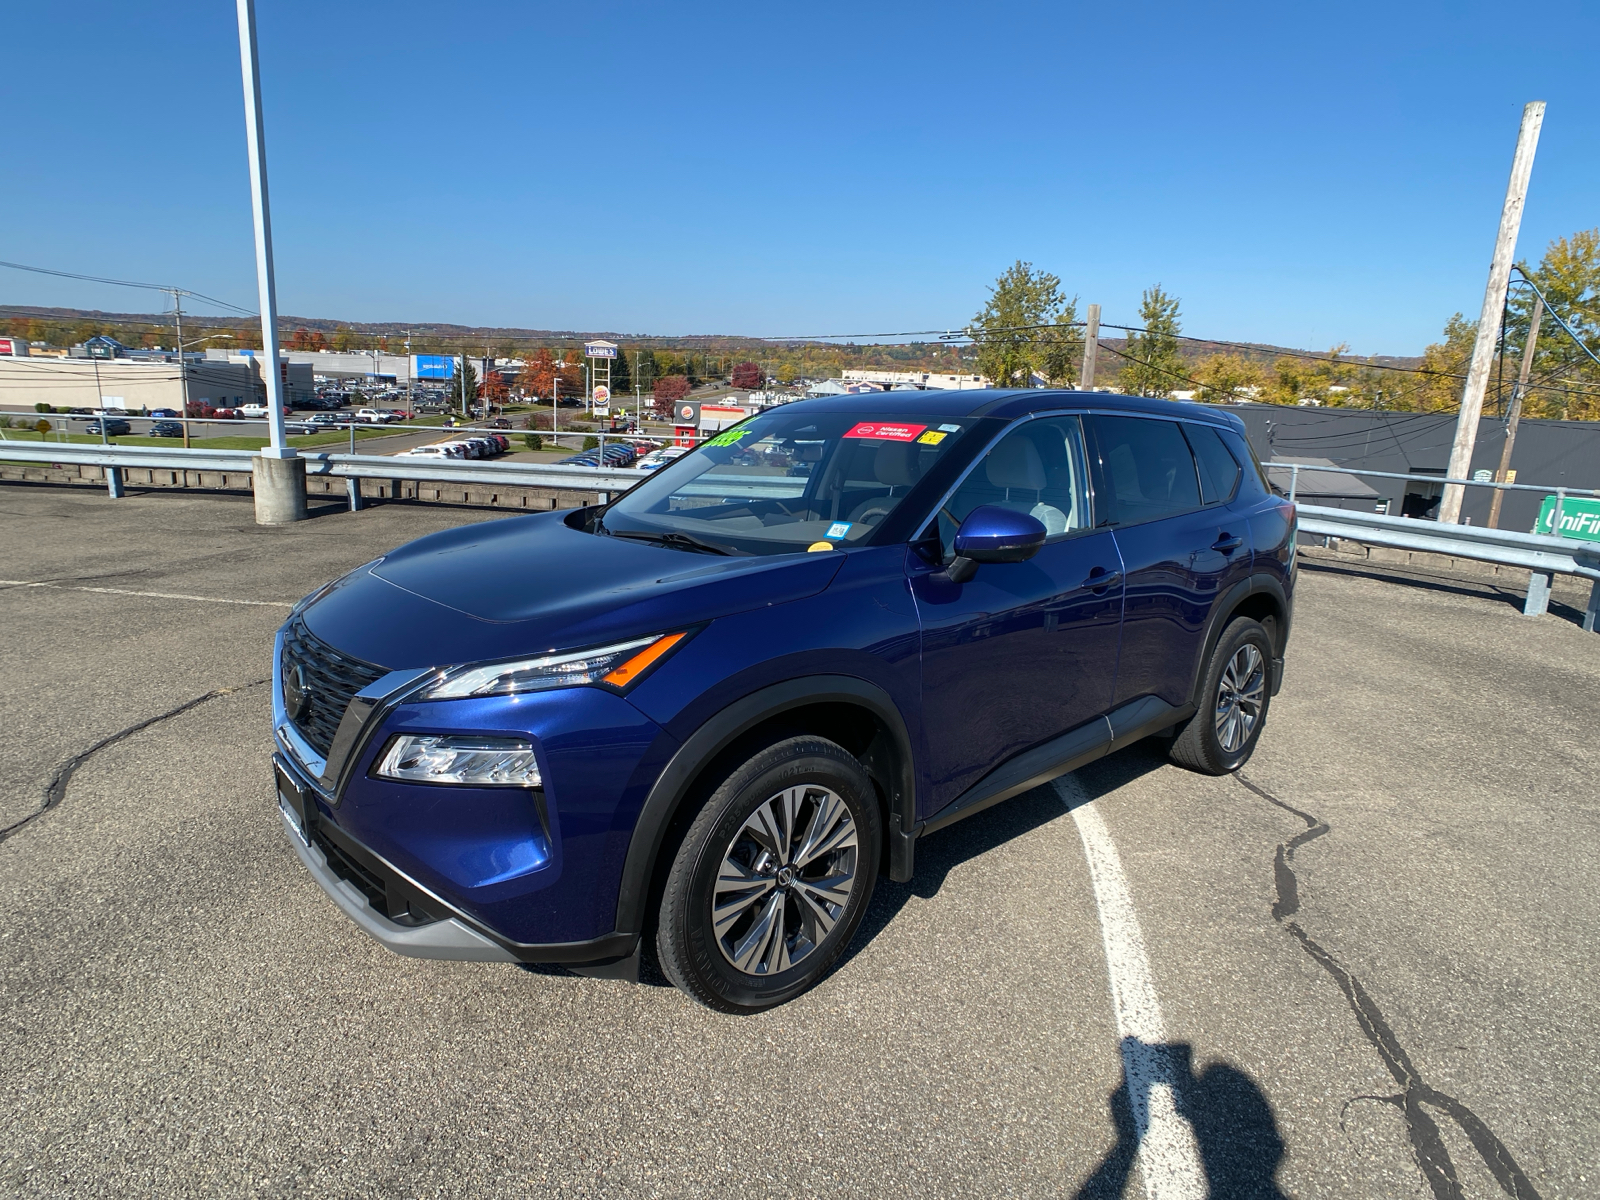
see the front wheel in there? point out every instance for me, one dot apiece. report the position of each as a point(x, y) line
point(1234, 700)
point(772, 878)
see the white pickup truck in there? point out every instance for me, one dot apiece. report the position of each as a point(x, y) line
point(377, 416)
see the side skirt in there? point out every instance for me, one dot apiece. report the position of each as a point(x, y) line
point(1121, 727)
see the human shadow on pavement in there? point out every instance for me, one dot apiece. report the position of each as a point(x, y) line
point(1234, 1129)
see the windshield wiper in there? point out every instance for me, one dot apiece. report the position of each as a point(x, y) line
point(673, 539)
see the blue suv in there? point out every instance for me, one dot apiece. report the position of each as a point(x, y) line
point(704, 717)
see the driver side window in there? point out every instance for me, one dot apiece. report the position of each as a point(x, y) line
point(1038, 468)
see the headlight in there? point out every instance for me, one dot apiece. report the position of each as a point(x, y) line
point(463, 761)
point(616, 666)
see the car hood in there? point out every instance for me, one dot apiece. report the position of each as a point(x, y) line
point(525, 585)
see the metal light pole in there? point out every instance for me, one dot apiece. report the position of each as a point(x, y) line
point(280, 488)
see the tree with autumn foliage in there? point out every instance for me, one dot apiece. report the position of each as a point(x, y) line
point(746, 376)
point(669, 390)
point(538, 373)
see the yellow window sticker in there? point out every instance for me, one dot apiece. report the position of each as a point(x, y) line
point(820, 546)
point(932, 438)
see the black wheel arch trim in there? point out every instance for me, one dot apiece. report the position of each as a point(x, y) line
point(719, 732)
point(1222, 612)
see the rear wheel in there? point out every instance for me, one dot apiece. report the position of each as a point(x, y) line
point(1235, 697)
point(772, 878)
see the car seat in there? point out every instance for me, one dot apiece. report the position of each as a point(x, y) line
point(1015, 467)
point(896, 464)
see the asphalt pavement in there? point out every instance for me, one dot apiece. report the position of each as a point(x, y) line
point(1363, 967)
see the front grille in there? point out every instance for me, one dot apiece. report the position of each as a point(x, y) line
point(331, 679)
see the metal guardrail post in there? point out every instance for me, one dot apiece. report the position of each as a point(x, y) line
point(1591, 615)
point(1555, 513)
point(1294, 480)
point(1538, 601)
point(352, 488)
point(114, 482)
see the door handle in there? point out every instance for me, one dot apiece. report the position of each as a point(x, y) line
point(1227, 543)
point(1099, 580)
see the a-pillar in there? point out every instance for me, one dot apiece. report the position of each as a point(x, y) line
point(280, 487)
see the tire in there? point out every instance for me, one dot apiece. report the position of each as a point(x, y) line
point(1234, 700)
point(779, 932)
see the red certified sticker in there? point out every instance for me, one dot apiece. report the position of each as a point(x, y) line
point(880, 429)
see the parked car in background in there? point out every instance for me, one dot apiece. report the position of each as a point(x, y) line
point(328, 420)
point(163, 412)
point(261, 410)
point(377, 416)
point(166, 429)
point(499, 423)
point(711, 711)
point(466, 447)
point(114, 426)
point(660, 458)
point(434, 451)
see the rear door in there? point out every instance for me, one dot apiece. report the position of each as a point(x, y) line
point(1023, 651)
point(1180, 546)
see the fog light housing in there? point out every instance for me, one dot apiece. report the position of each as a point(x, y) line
point(458, 761)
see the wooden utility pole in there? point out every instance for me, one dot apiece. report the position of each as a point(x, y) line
point(1091, 349)
point(1505, 474)
point(1494, 298)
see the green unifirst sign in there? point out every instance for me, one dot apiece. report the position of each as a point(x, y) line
point(1580, 517)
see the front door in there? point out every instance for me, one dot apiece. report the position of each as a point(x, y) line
point(1181, 546)
point(1023, 651)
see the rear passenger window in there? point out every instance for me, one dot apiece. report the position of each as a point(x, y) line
point(1146, 469)
point(1219, 470)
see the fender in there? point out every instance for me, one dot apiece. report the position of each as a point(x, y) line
point(719, 732)
point(1258, 584)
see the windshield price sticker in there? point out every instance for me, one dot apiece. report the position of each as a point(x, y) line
point(838, 529)
point(729, 438)
point(931, 438)
point(949, 429)
point(888, 432)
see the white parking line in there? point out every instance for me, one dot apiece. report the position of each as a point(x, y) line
point(1169, 1158)
point(66, 587)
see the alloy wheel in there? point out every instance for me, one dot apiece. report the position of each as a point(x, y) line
point(785, 880)
point(1241, 693)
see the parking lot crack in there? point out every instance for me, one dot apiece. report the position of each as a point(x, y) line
point(55, 789)
point(1416, 1095)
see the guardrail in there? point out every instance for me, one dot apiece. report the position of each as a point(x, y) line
point(115, 459)
point(1543, 556)
point(1561, 493)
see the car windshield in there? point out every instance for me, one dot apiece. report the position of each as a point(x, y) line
point(786, 481)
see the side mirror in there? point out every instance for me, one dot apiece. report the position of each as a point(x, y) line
point(992, 534)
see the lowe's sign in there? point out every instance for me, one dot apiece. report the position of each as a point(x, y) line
point(434, 366)
point(1580, 517)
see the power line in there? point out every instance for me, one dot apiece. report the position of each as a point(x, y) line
point(154, 287)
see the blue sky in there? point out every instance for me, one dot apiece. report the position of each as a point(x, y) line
point(1297, 174)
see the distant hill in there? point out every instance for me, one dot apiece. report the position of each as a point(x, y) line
point(428, 337)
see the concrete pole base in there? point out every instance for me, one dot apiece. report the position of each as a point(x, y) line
point(280, 488)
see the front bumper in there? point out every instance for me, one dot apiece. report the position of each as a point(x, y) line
point(448, 939)
point(355, 879)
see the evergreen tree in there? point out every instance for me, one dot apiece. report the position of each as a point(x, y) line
point(464, 388)
point(621, 377)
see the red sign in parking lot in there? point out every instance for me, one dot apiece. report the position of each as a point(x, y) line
point(879, 429)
